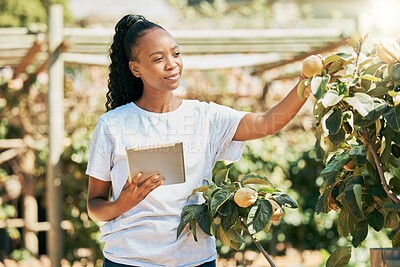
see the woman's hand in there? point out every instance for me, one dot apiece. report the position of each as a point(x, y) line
point(132, 193)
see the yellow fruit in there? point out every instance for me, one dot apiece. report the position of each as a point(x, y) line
point(312, 65)
point(244, 197)
point(277, 211)
point(388, 52)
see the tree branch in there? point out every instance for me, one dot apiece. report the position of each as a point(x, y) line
point(365, 139)
point(255, 241)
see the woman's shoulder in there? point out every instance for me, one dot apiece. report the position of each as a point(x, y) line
point(117, 112)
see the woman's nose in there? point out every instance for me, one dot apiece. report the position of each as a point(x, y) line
point(171, 63)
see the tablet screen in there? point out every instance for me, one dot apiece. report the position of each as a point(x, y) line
point(166, 160)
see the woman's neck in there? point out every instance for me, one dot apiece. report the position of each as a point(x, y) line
point(160, 103)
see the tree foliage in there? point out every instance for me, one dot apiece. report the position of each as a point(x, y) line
point(22, 13)
point(358, 138)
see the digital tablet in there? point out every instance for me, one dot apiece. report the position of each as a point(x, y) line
point(166, 160)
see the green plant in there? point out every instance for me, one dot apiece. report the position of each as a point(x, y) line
point(234, 207)
point(358, 138)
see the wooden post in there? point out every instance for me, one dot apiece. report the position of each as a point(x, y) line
point(384, 257)
point(56, 136)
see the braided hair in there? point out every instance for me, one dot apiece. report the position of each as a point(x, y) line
point(123, 86)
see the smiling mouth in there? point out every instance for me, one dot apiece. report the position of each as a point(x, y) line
point(173, 77)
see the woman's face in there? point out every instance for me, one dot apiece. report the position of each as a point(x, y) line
point(158, 61)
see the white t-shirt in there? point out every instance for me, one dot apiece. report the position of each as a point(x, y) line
point(146, 234)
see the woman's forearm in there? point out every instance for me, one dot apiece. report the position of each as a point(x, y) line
point(282, 113)
point(257, 125)
point(100, 209)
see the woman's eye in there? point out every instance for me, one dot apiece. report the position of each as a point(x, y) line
point(177, 54)
point(158, 59)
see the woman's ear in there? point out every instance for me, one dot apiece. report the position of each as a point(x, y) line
point(134, 69)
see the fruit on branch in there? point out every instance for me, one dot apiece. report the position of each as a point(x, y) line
point(244, 197)
point(312, 65)
point(388, 52)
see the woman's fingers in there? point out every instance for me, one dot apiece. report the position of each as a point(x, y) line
point(152, 179)
point(136, 179)
point(152, 183)
point(127, 183)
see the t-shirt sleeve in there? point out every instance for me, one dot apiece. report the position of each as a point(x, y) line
point(223, 125)
point(101, 153)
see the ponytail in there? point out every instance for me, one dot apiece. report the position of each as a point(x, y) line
point(123, 86)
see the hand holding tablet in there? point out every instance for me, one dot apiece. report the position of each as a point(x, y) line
point(167, 161)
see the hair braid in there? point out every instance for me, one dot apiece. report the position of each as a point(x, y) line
point(123, 86)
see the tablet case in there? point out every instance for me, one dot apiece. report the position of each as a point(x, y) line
point(166, 160)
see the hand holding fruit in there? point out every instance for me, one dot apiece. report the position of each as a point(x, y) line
point(312, 66)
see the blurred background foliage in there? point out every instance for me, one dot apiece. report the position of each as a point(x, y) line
point(31, 14)
point(287, 158)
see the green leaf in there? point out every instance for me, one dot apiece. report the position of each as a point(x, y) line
point(336, 164)
point(372, 69)
point(226, 208)
point(342, 57)
point(259, 215)
point(360, 233)
point(203, 218)
point(392, 116)
point(223, 237)
point(217, 199)
point(361, 102)
point(255, 179)
point(340, 257)
point(378, 110)
point(346, 223)
point(235, 233)
point(370, 77)
point(227, 221)
point(322, 203)
point(338, 138)
point(332, 121)
point(345, 56)
point(221, 176)
point(387, 150)
point(332, 58)
point(396, 240)
point(192, 224)
point(205, 189)
point(187, 215)
point(319, 85)
point(301, 87)
point(284, 200)
point(353, 195)
point(394, 185)
point(392, 220)
point(355, 180)
point(348, 119)
point(378, 91)
point(331, 98)
point(376, 220)
point(358, 154)
point(335, 67)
